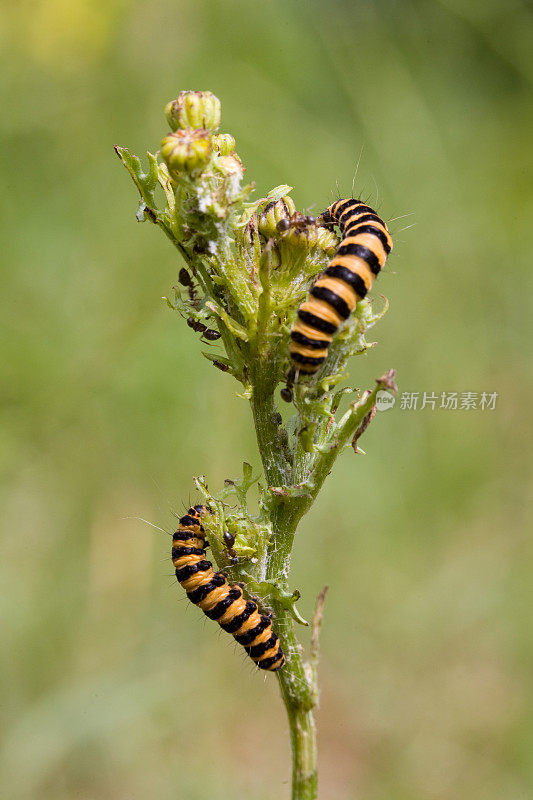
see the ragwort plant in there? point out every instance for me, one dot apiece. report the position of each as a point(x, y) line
point(244, 277)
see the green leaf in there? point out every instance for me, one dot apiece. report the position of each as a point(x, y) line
point(279, 191)
point(271, 588)
point(146, 182)
point(233, 326)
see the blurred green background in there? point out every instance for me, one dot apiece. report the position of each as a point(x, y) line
point(112, 686)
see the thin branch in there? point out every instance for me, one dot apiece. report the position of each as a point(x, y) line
point(348, 428)
point(315, 635)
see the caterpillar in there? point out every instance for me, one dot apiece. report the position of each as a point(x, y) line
point(365, 245)
point(218, 599)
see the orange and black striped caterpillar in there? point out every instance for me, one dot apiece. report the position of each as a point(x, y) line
point(218, 599)
point(365, 245)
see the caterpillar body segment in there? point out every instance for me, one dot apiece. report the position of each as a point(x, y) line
point(220, 600)
point(364, 248)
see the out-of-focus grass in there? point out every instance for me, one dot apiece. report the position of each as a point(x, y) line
point(112, 686)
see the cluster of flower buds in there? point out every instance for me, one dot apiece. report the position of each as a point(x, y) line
point(281, 220)
point(249, 264)
point(194, 117)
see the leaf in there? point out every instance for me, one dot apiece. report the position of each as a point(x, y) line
point(279, 191)
point(213, 358)
point(145, 182)
point(271, 588)
point(234, 327)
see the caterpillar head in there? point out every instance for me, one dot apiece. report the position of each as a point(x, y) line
point(199, 511)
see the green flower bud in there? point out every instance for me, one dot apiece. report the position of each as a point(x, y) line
point(274, 213)
point(311, 236)
point(224, 143)
point(321, 238)
point(186, 150)
point(194, 110)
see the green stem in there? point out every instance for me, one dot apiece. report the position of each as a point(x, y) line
point(266, 428)
point(297, 692)
point(298, 681)
point(301, 720)
point(304, 752)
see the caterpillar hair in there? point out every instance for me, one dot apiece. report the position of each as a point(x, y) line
point(365, 245)
point(218, 599)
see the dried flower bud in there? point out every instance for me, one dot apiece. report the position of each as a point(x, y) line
point(273, 213)
point(224, 143)
point(194, 110)
point(231, 165)
point(186, 150)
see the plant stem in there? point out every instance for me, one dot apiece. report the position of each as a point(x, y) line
point(297, 680)
point(304, 752)
point(302, 722)
point(297, 691)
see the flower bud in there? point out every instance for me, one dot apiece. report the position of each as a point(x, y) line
point(224, 143)
point(186, 150)
point(230, 165)
point(320, 237)
point(194, 110)
point(273, 213)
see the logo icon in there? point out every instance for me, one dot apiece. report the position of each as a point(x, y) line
point(384, 400)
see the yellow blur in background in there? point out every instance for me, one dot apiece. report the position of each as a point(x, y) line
point(113, 686)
